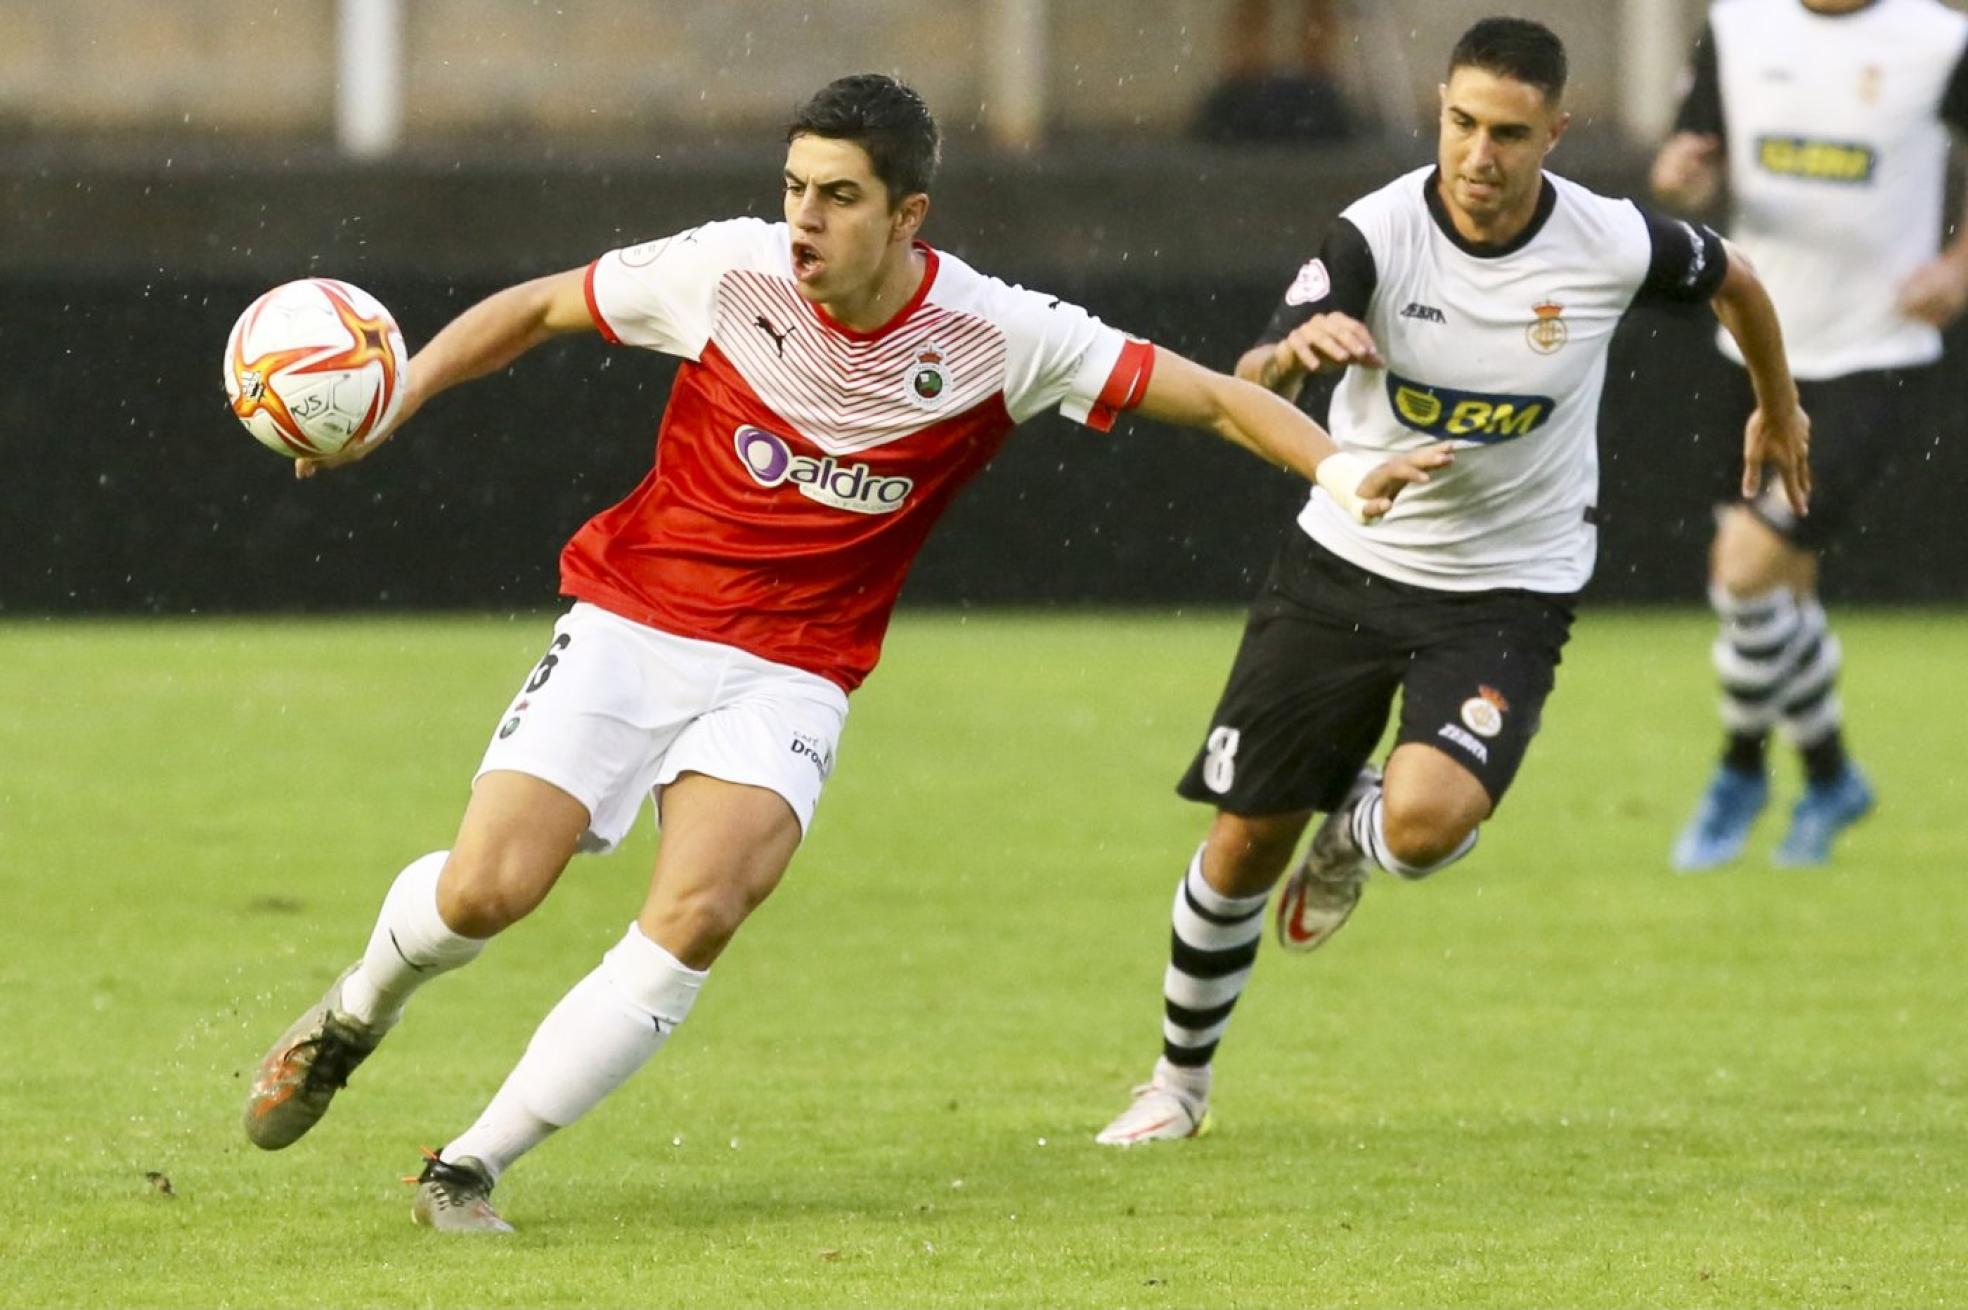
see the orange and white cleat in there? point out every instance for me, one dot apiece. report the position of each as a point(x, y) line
point(300, 1075)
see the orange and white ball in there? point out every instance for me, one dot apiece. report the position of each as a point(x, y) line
point(314, 367)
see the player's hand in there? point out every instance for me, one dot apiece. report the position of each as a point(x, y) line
point(307, 468)
point(1324, 341)
point(1780, 442)
point(1687, 170)
point(1936, 292)
point(1373, 488)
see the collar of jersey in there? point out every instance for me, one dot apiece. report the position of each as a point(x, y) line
point(900, 316)
point(1547, 201)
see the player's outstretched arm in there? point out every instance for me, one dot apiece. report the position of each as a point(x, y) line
point(1778, 435)
point(483, 339)
point(1181, 391)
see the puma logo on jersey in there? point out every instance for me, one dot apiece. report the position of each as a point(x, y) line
point(778, 337)
point(1846, 162)
point(1426, 313)
point(771, 462)
point(1479, 416)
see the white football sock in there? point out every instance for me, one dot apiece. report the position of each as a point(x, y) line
point(602, 1031)
point(410, 946)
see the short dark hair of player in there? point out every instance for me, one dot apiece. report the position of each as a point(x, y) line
point(883, 117)
point(1517, 48)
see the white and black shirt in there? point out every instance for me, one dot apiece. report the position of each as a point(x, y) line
point(1501, 350)
point(1836, 127)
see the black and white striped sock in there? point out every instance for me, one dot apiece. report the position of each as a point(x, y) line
point(1754, 656)
point(1808, 704)
point(1212, 949)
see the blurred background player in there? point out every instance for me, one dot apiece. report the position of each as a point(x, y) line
point(841, 382)
point(1258, 102)
point(1471, 302)
point(1829, 120)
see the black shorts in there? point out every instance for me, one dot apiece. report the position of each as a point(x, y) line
point(1326, 647)
point(1865, 429)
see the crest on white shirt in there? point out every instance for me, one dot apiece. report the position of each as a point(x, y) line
point(927, 381)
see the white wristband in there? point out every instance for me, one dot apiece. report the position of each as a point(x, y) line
point(1341, 473)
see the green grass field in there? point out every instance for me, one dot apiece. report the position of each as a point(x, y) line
point(1556, 1076)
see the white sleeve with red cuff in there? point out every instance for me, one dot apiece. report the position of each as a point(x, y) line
point(1060, 356)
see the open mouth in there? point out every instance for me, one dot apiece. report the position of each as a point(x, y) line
point(807, 261)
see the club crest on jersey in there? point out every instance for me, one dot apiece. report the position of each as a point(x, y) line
point(928, 378)
point(1547, 332)
point(1483, 712)
point(1312, 283)
point(770, 462)
point(1479, 416)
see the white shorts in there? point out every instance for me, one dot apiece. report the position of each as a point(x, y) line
point(618, 710)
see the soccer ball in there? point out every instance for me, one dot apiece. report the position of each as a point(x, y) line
point(314, 367)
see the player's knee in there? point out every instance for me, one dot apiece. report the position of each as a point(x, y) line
point(483, 893)
point(1740, 577)
point(696, 925)
point(1248, 855)
point(1749, 558)
point(1422, 831)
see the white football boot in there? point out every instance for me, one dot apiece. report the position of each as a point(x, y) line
point(1320, 895)
point(1172, 1105)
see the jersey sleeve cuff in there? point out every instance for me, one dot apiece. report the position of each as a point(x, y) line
point(1126, 383)
point(608, 333)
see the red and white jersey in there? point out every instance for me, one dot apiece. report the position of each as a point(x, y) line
point(800, 463)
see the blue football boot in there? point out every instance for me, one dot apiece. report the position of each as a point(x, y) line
point(1722, 821)
point(1823, 811)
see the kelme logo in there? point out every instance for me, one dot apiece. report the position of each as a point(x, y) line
point(1466, 415)
point(1848, 162)
point(854, 487)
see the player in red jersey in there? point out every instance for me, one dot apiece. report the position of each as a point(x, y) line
point(840, 382)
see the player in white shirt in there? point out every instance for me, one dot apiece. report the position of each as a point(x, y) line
point(1473, 303)
point(840, 381)
point(1829, 121)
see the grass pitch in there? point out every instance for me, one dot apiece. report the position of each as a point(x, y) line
point(1558, 1075)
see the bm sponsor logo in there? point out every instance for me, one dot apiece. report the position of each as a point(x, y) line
point(1816, 161)
point(1480, 416)
point(856, 487)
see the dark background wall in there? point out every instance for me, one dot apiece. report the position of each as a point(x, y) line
point(127, 486)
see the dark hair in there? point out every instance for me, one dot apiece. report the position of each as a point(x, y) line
point(884, 118)
point(1515, 48)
